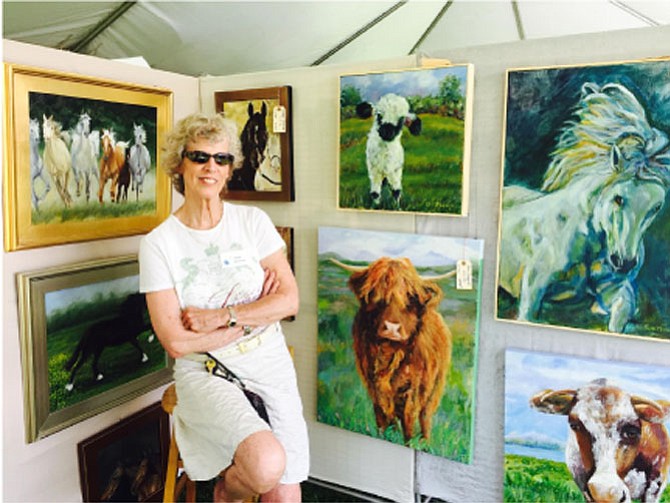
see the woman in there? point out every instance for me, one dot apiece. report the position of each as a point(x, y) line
point(217, 281)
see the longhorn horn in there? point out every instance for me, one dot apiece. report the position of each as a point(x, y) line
point(347, 267)
point(439, 276)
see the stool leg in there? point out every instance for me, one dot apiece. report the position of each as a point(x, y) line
point(171, 471)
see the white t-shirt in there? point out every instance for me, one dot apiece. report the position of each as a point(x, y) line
point(210, 268)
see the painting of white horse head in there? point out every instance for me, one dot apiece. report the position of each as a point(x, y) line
point(585, 178)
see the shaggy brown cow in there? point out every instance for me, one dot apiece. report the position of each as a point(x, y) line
point(401, 342)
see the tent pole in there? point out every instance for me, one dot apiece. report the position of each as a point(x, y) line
point(360, 32)
point(431, 26)
point(101, 26)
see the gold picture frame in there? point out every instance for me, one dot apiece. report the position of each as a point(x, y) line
point(68, 315)
point(264, 122)
point(54, 192)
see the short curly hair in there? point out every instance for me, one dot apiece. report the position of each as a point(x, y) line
point(198, 126)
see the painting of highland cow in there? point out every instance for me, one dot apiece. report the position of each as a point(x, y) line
point(397, 343)
point(586, 169)
point(405, 140)
point(581, 429)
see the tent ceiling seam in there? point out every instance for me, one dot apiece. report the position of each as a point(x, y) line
point(358, 33)
point(105, 23)
point(635, 13)
point(431, 27)
point(517, 20)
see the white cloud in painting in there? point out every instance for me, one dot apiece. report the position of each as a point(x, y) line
point(527, 373)
point(423, 250)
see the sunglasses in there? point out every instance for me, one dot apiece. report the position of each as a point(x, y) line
point(200, 157)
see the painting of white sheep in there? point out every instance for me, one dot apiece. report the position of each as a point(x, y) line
point(404, 140)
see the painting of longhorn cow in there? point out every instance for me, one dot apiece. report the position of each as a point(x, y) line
point(405, 140)
point(579, 429)
point(397, 337)
point(586, 169)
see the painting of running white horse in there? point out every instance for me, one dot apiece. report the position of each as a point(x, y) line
point(585, 175)
point(87, 143)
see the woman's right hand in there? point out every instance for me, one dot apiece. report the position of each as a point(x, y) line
point(270, 283)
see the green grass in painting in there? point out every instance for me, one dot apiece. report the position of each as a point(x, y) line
point(432, 175)
point(528, 479)
point(93, 210)
point(119, 364)
point(342, 398)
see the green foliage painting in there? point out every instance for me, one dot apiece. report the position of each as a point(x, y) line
point(345, 397)
point(537, 433)
point(409, 152)
point(87, 343)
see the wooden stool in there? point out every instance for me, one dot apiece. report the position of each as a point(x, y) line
point(173, 485)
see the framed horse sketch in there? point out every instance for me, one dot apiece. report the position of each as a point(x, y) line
point(398, 335)
point(405, 140)
point(86, 342)
point(583, 429)
point(585, 175)
point(264, 121)
point(126, 462)
point(81, 157)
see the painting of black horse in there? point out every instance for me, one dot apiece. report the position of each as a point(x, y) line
point(254, 139)
point(123, 328)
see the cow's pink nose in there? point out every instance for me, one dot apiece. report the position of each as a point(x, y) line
point(603, 492)
point(392, 330)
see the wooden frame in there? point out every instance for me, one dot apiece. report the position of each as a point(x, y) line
point(61, 306)
point(40, 212)
point(287, 235)
point(271, 178)
point(127, 461)
point(405, 140)
point(603, 131)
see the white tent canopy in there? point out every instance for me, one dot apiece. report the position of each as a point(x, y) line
point(223, 38)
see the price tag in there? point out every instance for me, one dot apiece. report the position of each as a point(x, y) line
point(279, 119)
point(464, 275)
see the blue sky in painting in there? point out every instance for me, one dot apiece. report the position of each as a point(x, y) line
point(423, 250)
point(526, 373)
point(420, 82)
point(63, 298)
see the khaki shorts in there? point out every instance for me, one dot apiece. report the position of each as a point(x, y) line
point(213, 417)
